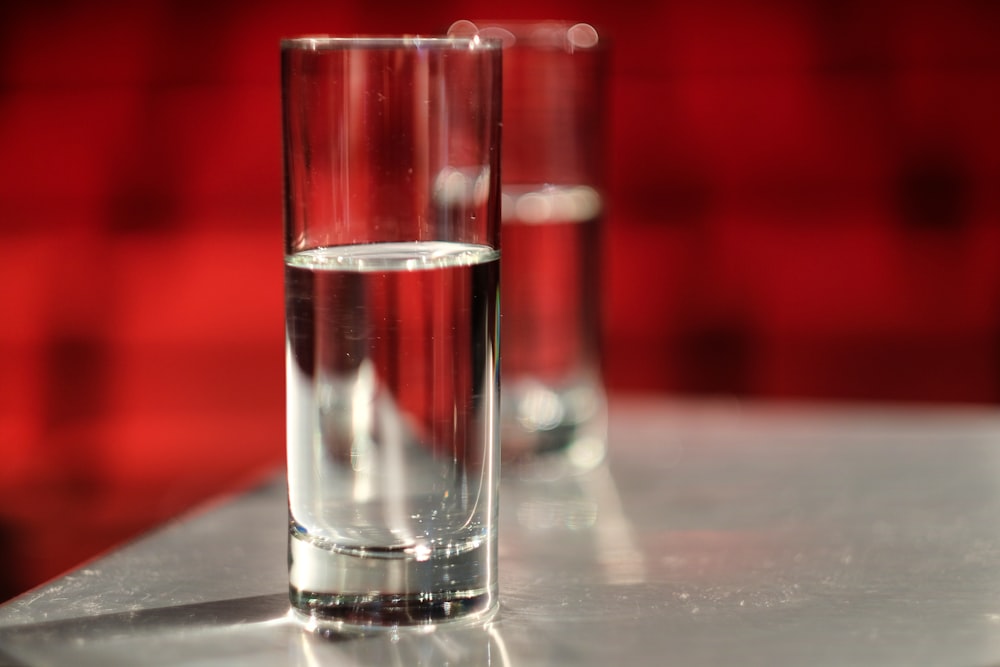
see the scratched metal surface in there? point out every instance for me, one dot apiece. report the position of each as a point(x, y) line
point(718, 533)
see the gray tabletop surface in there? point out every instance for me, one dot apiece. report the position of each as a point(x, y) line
point(717, 533)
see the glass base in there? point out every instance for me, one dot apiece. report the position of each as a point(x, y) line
point(549, 432)
point(323, 611)
point(342, 588)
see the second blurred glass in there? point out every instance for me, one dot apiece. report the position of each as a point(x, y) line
point(553, 408)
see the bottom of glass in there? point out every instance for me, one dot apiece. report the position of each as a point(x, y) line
point(333, 584)
point(553, 431)
point(338, 612)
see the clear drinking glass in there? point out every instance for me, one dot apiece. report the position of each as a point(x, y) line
point(554, 407)
point(392, 216)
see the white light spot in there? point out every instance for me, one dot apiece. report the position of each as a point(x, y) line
point(582, 36)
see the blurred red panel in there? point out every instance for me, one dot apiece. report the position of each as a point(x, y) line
point(96, 45)
point(208, 286)
point(734, 39)
point(62, 145)
point(874, 368)
point(232, 140)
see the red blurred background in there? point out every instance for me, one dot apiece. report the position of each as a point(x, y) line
point(804, 205)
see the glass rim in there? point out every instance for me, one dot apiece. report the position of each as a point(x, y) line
point(537, 34)
point(417, 42)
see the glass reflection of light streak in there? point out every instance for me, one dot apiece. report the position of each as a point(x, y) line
point(354, 409)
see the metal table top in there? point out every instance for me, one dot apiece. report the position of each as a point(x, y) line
point(717, 533)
